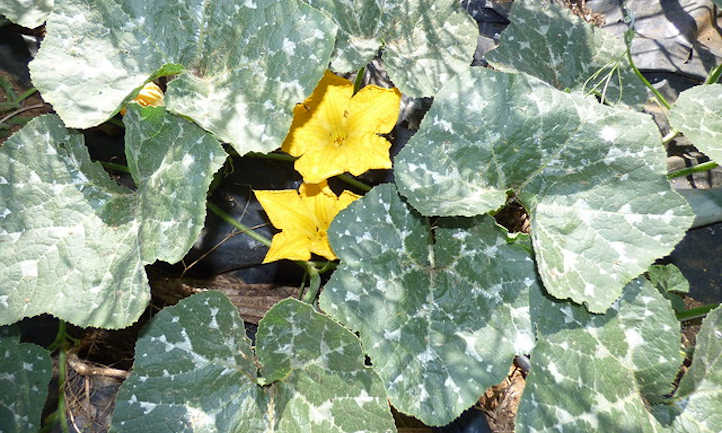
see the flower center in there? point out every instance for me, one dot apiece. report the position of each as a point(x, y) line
point(338, 136)
point(337, 139)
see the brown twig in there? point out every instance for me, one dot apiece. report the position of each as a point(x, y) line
point(20, 110)
point(84, 369)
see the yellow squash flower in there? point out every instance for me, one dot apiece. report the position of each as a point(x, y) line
point(150, 94)
point(304, 218)
point(335, 131)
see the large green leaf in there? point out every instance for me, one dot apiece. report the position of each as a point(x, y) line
point(27, 13)
point(72, 242)
point(698, 115)
point(594, 373)
point(424, 42)
point(247, 62)
point(547, 41)
point(592, 177)
point(441, 315)
point(195, 371)
point(25, 371)
point(172, 162)
point(697, 405)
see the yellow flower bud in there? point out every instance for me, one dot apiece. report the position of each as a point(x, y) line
point(149, 95)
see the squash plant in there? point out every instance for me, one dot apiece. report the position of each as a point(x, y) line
point(436, 294)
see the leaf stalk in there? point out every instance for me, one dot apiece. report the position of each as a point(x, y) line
point(705, 166)
point(628, 37)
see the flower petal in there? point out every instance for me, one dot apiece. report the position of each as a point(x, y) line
point(367, 152)
point(373, 109)
point(322, 247)
point(318, 165)
point(303, 217)
point(345, 199)
point(288, 245)
point(320, 116)
point(327, 205)
point(286, 210)
point(307, 190)
point(333, 132)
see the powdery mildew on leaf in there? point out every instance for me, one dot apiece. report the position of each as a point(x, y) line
point(698, 115)
point(547, 41)
point(25, 371)
point(424, 42)
point(247, 62)
point(442, 319)
point(592, 178)
point(27, 13)
point(195, 371)
point(172, 162)
point(73, 243)
point(590, 372)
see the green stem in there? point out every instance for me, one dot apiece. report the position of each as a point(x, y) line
point(325, 266)
point(61, 390)
point(49, 422)
point(705, 166)
point(350, 180)
point(301, 288)
point(628, 36)
point(116, 167)
point(61, 344)
point(713, 77)
point(273, 155)
point(243, 228)
point(695, 313)
point(314, 285)
point(61, 337)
